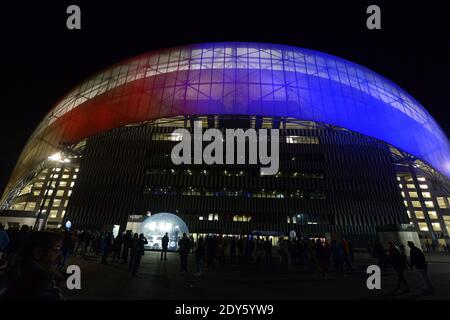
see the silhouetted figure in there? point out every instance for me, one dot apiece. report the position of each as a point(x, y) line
point(322, 259)
point(268, 250)
point(399, 264)
point(106, 246)
point(133, 249)
point(418, 260)
point(233, 247)
point(337, 256)
point(67, 245)
point(164, 245)
point(184, 247)
point(4, 241)
point(138, 252)
point(117, 247)
point(33, 276)
point(126, 246)
point(199, 254)
point(381, 256)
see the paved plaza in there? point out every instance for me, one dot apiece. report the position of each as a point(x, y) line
point(162, 280)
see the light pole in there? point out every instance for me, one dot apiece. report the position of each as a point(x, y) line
point(58, 158)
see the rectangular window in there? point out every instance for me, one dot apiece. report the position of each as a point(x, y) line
point(426, 194)
point(429, 204)
point(59, 193)
point(216, 217)
point(403, 194)
point(167, 136)
point(436, 226)
point(419, 214)
point(69, 193)
point(410, 186)
point(413, 194)
point(72, 184)
point(400, 185)
point(63, 183)
point(423, 186)
point(63, 213)
point(441, 202)
point(406, 203)
point(423, 226)
point(36, 193)
point(200, 218)
point(56, 203)
point(416, 204)
point(65, 176)
point(53, 213)
point(210, 217)
point(302, 139)
point(38, 184)
point(408, 213)
point(421, 179)
point(432, 215)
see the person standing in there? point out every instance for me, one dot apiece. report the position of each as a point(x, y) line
point(4, 240)
point(117, 247)
point(139, 250)
point(184, 247)
point(126, 246)
point(199, 255)
point(418, 260)
point(337, 256)
point(164, 245)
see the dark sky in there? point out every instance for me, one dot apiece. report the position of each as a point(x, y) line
point(42, 60)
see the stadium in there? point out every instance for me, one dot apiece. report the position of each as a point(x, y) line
point(356, 151)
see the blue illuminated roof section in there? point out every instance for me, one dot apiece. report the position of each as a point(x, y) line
point(266, 80)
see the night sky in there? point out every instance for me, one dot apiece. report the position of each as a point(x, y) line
point(42, 59)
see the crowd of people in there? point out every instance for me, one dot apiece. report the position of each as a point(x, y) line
point(28, 257)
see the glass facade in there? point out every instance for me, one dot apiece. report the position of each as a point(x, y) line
point(238, 78)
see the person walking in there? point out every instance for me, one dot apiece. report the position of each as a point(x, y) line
point(184, 248)
point(164, 245)
point(399, 264)
point(417, 259)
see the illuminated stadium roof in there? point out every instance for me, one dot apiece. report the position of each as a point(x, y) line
point(240, 78)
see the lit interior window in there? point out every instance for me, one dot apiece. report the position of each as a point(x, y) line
point(436, 226)
point(432, 215)
point(423, 226)
point(421, 179)
point(419, 214)
point(410, 186)
point(441, 202)
point(426, 194)
point(413, 194)
point(53, 213)
point(423, 186)
point(429, 204)
point(416, 204)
